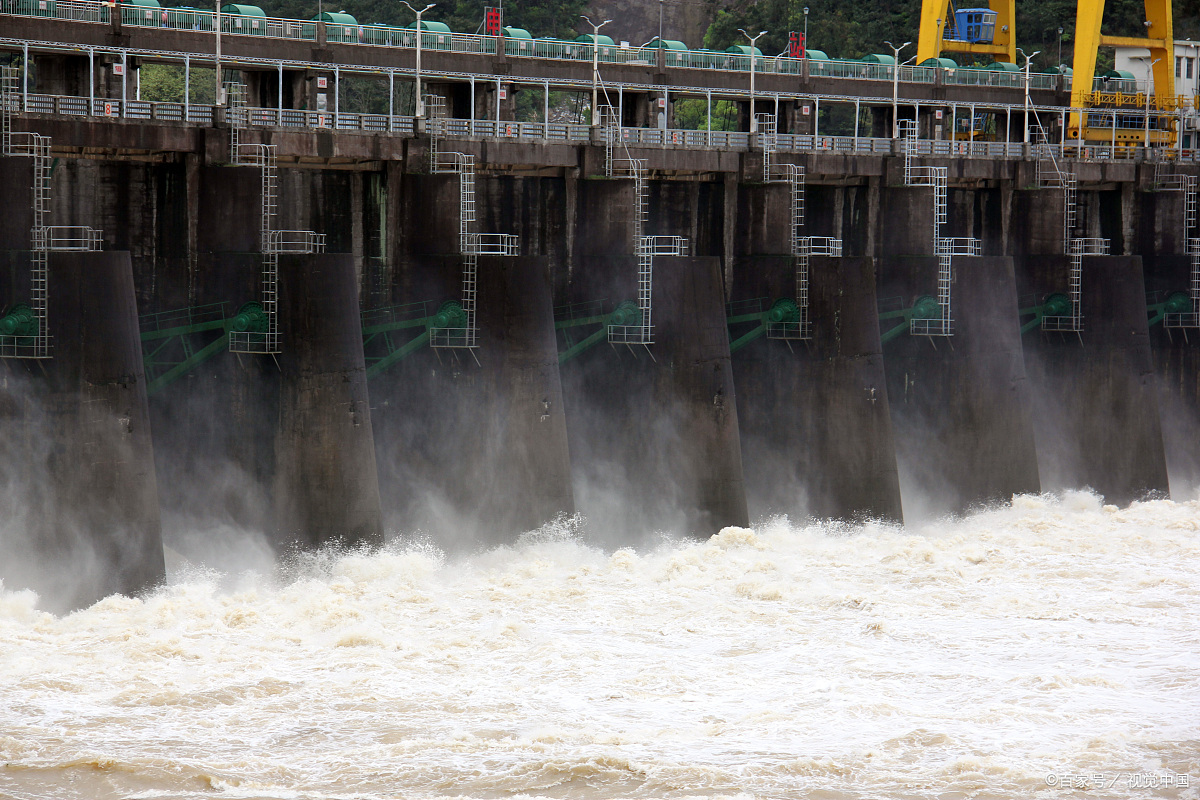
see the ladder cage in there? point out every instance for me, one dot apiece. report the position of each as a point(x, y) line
point(471, 243)
point(945, 248)
point(43, 237)
point(272, 241)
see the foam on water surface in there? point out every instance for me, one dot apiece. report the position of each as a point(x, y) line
point(974, 657)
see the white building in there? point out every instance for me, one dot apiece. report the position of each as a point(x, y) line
point(1135, 60)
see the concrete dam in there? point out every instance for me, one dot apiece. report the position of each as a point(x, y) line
point(328, 334)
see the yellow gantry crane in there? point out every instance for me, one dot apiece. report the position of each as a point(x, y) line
point(986, 30)
point(1106, 123)
point(1120, 111)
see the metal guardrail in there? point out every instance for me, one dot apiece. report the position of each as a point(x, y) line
point(190, 19)
point(397, 125)
point(79, 238)
point(297, 242)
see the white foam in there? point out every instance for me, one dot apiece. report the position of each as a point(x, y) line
point(972, 656)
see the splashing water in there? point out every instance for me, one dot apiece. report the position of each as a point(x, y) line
point(990, 656)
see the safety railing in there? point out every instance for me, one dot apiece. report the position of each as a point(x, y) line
point(181, 317)
point(492, 244)
point(820, 246)
point(296, 242)
point(205, 115)
point(203, 21)
point(957, 246)
point(79, 238)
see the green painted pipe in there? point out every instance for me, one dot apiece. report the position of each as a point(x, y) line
point(250, 318)
point(783, 311)
point(1178, 303)
point(450, 315)
point(1057, 305)
point(926, 307)
point(19, 321)
point(626, 313)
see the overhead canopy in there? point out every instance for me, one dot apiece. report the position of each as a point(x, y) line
point(666, 44)
point(337, 18)
point(880, 58)
point(243, 10)
point(601, 40)
point(517, 33)
point(430, 25)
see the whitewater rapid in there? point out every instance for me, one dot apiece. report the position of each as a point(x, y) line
point(988, 656)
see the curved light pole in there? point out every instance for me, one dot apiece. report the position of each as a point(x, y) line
point(753, 55)
point(896, 86)
point(1149, 82)
point(1028, 58)
point(420, 98)
point(804, 44)
point(217, 27)
point(596, 64)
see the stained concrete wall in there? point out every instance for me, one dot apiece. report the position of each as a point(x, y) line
point(816, 432)
point(475, 452)
point(654, 435)
point(1096, 408)
point(960, 405)
point(326, 488)
point(79, 472)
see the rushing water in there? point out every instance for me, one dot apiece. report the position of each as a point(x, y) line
point(1007, 654)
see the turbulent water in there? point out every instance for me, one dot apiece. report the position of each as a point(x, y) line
point(1049, 649)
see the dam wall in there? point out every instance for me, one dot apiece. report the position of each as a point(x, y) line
point(474, 380)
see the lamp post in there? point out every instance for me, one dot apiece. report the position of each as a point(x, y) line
point(218, 67)
point(1028, 58)
point(596, 65)
point(660, 18)
point(1149, 82)
point(896, 86)
point(420, 98)
point(804, 44)
point(1060, 30)
point(753, 53)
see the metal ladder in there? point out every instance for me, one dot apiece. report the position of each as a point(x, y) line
point(1052, 175)
point(1166, 180)
point(471, 243)
point(801, 247)
point(43, 237)
point(944, 247)
point(646, 247)
point(272, 241)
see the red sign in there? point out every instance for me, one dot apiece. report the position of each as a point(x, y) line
point(322, 82)
point(492, 22)
point(797, 48)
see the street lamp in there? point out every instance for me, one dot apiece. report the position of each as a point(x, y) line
point(896, 87)
point(660, 16)
point(1060, 30)
point(420, 98)
point(753, 53)
point(218, 67)
point(596, 64)
point(1149, 82)
point(1028, 59)
point(804, 48)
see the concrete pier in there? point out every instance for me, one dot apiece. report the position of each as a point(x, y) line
point(815, 426)
point(326, 489)
point(1095, 394)
point(961, 405)
point(79, 472)
point(654, 434)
